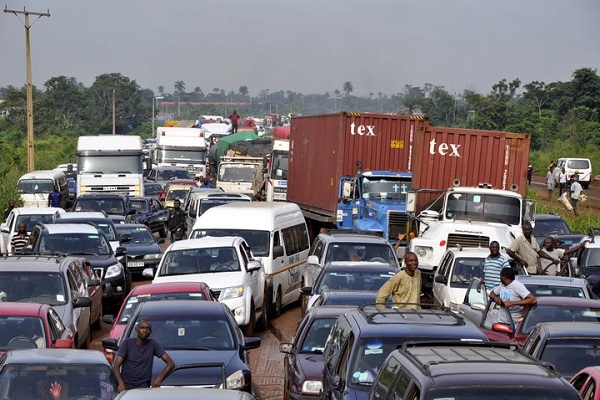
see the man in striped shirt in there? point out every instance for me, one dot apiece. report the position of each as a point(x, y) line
point(20, 240)
point(494, 263)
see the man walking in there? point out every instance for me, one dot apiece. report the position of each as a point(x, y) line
point(404, 287)
point(55, 198)
point(176, 222)
point(133, 365)
point(550, 181)
point(576, 190)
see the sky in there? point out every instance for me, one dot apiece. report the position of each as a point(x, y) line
point(308, 46)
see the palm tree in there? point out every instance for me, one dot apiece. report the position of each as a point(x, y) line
point(161, 90)
point(347, 88)
point(243, 91)
point(179, 87)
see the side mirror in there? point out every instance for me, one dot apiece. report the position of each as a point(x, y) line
point(108, 319)
point(307, 290)
point(160, 240)
point(63, 343)
point(131, 212)
point(254, 266)
point(441, 279)
point(286, 348)
point(148, 273)
point(81, 302)
point(94, 282)
point(313, 260)
point(120, 252)
point(277, 251)
point(251, 343)
point(110, 344)
point(502, 328)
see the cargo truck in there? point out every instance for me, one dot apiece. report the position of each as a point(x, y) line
point(181, 147)
point(110, 164)
point(273, 182)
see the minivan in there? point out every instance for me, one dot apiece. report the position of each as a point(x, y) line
point(580, 166)
point(34, 187)
point(278, 237)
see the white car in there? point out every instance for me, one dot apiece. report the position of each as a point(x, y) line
point(226, 265)
point(29, 215)
point(456, 271)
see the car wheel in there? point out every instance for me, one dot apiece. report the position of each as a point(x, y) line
point(251, 327)
point(277, 308)
point(263, 322)
point(164, 231)
point(97, 324)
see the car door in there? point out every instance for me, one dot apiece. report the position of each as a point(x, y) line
point(474, 303)
point(440, 285)
point(81, 315)
point(94, 290)
point(254, 279)
point(57, 328)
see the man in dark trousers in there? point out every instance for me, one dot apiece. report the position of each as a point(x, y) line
point(133, 365)
point(54, 198)
point(176, 222)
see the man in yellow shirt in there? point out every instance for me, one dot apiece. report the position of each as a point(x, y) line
point(404, 287)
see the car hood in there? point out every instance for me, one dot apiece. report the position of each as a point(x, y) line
point(205, 367)
point(311, 366)
point(101, 261)
point(215, 281)
point(138, 249)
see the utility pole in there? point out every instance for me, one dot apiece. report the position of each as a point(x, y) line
point(114, 109)
point(30, 148)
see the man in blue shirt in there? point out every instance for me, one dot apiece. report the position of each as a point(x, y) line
point(55, 198)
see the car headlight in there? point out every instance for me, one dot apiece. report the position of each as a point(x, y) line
point(153, 256)
point(424, 252)
point(237, 380)
point(312, 387)
point(232, 292)
point(113, 270)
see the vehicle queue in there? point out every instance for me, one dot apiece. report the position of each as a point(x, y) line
point(255, 258)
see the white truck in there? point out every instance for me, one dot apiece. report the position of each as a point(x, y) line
point(276, 171)
point(237, 174)
point(110, 164)
point(467, 217)
point(182, 147)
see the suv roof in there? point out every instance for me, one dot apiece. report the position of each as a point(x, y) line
point(207, 241)
point(57, 229)
point(102, 195)
point(335, 235)
point(35, 262)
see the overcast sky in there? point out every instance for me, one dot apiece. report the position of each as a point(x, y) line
point(308, 46)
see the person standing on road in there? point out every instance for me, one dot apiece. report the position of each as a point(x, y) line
point(234, 118)
point(529, 174)
point(549, 267)
point(576, 190)
point(404, 287)
point(493, 265)
point(550, 181)
point(511, 294)
point(562, 182)
point(133, 364)
point(525, 250)
point(205, 183)
point(11, 205)
point(55, 198)
point(20, 239)
point(176, 222)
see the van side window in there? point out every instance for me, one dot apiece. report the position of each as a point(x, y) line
point(402, 384)
point(276, 239)
point(295, 239)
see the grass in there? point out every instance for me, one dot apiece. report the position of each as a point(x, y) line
point(588, 217)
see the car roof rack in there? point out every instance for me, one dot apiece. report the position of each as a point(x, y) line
point(425, 313)
point(593, 233)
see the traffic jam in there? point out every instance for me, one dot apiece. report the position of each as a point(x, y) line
point(336, 256)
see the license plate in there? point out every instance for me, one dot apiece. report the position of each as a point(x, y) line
point(135, 264)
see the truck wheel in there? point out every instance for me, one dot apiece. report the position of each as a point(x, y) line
point(163, 232)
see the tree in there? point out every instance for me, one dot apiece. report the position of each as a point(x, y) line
point(179, 87)
point(161, 90)
point(243, 91)
point(535, 92)
point(61, 107)
point(347, 88)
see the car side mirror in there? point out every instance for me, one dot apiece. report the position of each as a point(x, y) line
point(108, 319)
point(286, 348)
point(251, 343)
point(94, 282)
point(441, 279)
point(148, 273)
point(131, 212)
point(160, 240)
point(313, 260)
point(253, 266)
point(307, 290)
point(121, 251)
point(82, 302)
point(502, 328)
point(110, 344)
point(63, 343)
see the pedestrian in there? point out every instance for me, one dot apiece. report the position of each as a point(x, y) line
point(234, 118)
point(511, 294)
point(526, 250)
point(404, 287)
point(548, 267)
point(205, 183)
point(176, 222)
point(133, 364)
point(562, 182)
point(576, 190)
point(529, 174)
point(564, 259)
point(550, 181)
point(11, 205)
point(20, 239)
point(55, 198)
point(493, 264)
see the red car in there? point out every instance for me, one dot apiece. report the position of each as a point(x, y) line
point(32, 325)
point(153, 292)
point(587, 383)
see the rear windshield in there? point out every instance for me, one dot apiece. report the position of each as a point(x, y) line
point(578, 164)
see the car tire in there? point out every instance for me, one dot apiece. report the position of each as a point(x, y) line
point(278, 300)
point(164, 231)
point(263, 322)
point(251, 327)
point(97, 324)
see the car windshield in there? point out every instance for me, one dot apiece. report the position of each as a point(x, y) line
point(139, 235)
point(190, 333)
point(544, 228)
point(82, 381)
point(197, 261)
point(570, 355)
point(30, 186)
point(111, 206)
point(590, 260)
point(176, 194)
point(237, 172)
point(21, 332)
point(168, 174)
point(140, 206)
point(540, 290)
point(375, 252)
point(259, 241)
point(33, 287)
point(368, 357)
point(505, 392)
point(134, 301)
point(483, 207)
point(369, 277)
point(73, 243)
point(32, 220)
point(314, 341)
point(465, 269)
point(562, 313)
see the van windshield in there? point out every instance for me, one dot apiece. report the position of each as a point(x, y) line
point(30, 186)
point(259, 241)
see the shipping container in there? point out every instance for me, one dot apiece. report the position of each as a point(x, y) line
point(324, 148)
point(452, 156)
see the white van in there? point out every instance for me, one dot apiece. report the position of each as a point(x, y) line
point(34, 187)
point(580, 166)
point(278, 237)
point(202, 201)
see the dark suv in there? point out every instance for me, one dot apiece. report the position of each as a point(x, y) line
point(90, 242)
point(361, 340)
point(111, 203)
point(466, 370)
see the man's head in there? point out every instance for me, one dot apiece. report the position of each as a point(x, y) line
point(143, 329)
point(411, 261)
point(527, 229)
point(507, 275)
point(494, 248)
point(176, 204)
point(11, 204)
point(22, 228)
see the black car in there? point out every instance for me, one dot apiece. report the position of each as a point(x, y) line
point(110, 203)
point(547, 225)
point(202, 338)
point(143, 249)
point(150, 212)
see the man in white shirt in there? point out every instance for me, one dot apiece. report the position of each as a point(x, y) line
point(562, 182)
point(576, 190)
